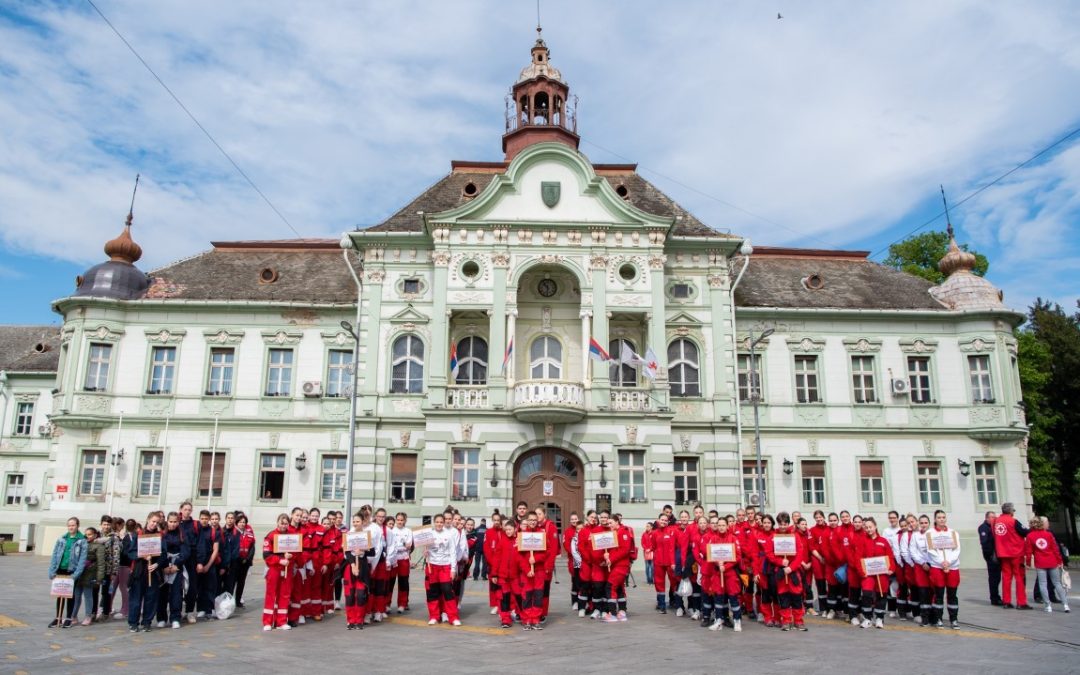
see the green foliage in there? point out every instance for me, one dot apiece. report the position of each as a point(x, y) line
point(919, 255)
point(1034, 363)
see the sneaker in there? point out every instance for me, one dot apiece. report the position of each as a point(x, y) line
point(432, 622)
point(955, 625)
point(285, 627)
point(738, 626)
point(610, 618)
point(66, 624)
point(1006, 605)
point(526, 627)
point(160, 624)
point(939, 624)
point(191, 618)
point(300, 622)
point(918, 620)
point(830, 614)
point(581, 613)
point(595, 614)
point(200, 615)
point(537, 626)
point(543, 620)
point(118, 615)
point(855, 622)
point(892, 615)
point(801, 627)
point(717, 625)
point(622, 616)
point(663, 610)
point(379, 617)
point(239, 605)
point(1049, 609)
point(444, 618)
point(1023, 606)
point(455, 622)
point(573, 606)
point(146, 629)
point(330, 612)
point(679, 612)
point(54, 623)
point(176, 625)
point(400, 610)
point(695, 615)
point(494, 610)
point(265, 628)
point(506, 625)
point(1065, 608)
point(786, 627)
point(878, 623)
point(133, 629)
point(866, 623)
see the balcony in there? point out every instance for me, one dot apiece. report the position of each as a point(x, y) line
point(630, 400)
point(549, 401)
point(467, 398)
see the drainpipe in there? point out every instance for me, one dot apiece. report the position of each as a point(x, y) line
point(746, 250)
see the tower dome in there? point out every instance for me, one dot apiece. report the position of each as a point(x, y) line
point(963, 289)
point(539, 107)
point(116, 278)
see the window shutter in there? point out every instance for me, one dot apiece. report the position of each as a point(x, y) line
point(871, 469)
point(402, 467)
point(813, 469)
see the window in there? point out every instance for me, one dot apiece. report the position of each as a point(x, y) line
point(621, 374)
point(745, 377)
point(97, 367)
point(334, 478)
point(986, 483)
point(631, 476)
point(545, 358)
point(151, 463)
point(566, 466)
point(338, 372)
point(686, 480)
point(872, 482)
point(750, 482)
point(918, 368)
point(279, 373)
point(813, 481)
point(982, 391)
point(220, 381)
point(92, 475)
point(929, 474)
point(162, 370)
point(402, 477)
point(24, 418)
point(407, 376)
point(472, 353)
point(466, 474)
point(211, 471)
point(529, 466)
point(680, 291)
point(862, 379)
point(16, 487)
point(411, 286)
point(683, 372)
point(271, 476)
point(806, 379)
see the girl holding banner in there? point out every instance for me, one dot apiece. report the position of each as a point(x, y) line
point(279, 576)
point(943, 550)
point(68, 560)
point(876, 564)
point(146, 563)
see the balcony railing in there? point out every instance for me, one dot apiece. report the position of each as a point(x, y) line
point(548, 392)
point(633, 400)
point(467, 398)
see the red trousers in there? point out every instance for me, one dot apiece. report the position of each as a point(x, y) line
point(377, 598)
point(532, 598)
point(939, 578)
point(296, 596)
point(401, 569)
point(505, 592)
point(439, 583)
point(278, 590)
point(312, 604)
point(1013, 568)
point(790, 597)
point(355, 593)
point(662, 573)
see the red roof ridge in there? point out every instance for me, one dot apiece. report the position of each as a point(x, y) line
point(469, 166)
point(790, 252)
point(309, 243)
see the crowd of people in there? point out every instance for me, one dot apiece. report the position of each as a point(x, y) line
point(712, 568)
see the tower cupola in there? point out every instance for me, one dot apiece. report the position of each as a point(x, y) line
point(539, 107)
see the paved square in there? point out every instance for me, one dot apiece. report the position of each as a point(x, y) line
point(992, 640)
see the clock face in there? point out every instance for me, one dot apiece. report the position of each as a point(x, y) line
point(546, 288)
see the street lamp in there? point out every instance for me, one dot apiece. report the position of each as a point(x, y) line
point(494, 473)
point(755, 399)
point(603, 477)
point(965, 468)
point(348, 327)
point(789, 467)
point(301, 461)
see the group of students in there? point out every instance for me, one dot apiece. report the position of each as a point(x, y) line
point(199, 560)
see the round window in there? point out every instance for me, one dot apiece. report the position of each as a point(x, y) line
point(628, 272)
point(470, 270)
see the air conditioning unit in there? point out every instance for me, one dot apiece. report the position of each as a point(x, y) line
point(32, 500)
point(900, 387)
point(312, 389)
point(754, 500)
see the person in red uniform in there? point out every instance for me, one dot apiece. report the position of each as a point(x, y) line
point(279, 576)
point(694, 533)
point(600, 570)
point(299, 566)
point(532, 564)
point(333, 557)
point(723, 582)
point(819, 536)
point(1009, 537)
point(550, 555)
point(504, 567)
point(569, 534)
point(787, 574)
point(1044, 555)
point(764, 581)
point(683, 560)
point(802, 528)
point(875, 587)
point(707, 570)
point(491, 540)
point(617, 562)
point(854, 568)
point(314, 532)
point(357, 575)
point(744, 530)
point(584, 547)
point(664, 536)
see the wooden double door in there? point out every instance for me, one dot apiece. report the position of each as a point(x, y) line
point(552, 477)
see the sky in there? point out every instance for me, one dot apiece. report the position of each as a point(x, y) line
point(831, 127)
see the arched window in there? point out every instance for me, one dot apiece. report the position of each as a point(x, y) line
point(472, 353)
point(682, 355)
point(408, 365)
point(622, 374)
point(545, 358)
point(540, 108)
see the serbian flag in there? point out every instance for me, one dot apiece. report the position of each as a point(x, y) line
point(453, 362)
point(509, 353)
point(597, 352)
point(652, 364)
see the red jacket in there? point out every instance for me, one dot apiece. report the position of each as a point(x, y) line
point(620, 556)
point(1008, 537)
point(868, 547)
point(760, 544)
point(839, 540)
point(313, 543)
point(701, 554)
point(505, 562)
point(333, 547)
point(273, 560)
point(1042, 547)
point(552, 544)
point(793, 561)
point(819, 541)
point(664, 541)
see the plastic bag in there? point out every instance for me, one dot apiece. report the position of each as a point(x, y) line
point(841, 574)
point(1066, 580)
point(224, 606)
point(685, 589)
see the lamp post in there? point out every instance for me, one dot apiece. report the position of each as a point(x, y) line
point(755, 398)
point(352, 417)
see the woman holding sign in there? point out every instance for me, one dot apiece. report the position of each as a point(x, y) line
point(441, 561)
point(876, 564)
point(358, 554)
point(943, 550)
point(147, 559)
point(786, 558)
point(719, 563)
point(279, 573)
point(68, 560)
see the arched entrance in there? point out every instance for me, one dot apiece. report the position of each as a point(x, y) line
point(551, 477)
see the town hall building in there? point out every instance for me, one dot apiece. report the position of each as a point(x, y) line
point(484, 309)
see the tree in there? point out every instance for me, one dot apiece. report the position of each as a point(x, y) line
point(919, 255)
point(1034, 362)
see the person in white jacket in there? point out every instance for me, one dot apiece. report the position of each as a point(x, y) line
point(921, 562)
point(378, 544)
point(892, 535)
point(440, 563)
point(943, 553)
point(907, 596)
point(397, 562)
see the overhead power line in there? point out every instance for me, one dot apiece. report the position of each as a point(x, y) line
point(203, 129)
point(979, 191)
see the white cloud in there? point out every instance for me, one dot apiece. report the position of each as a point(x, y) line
point(838, 121)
